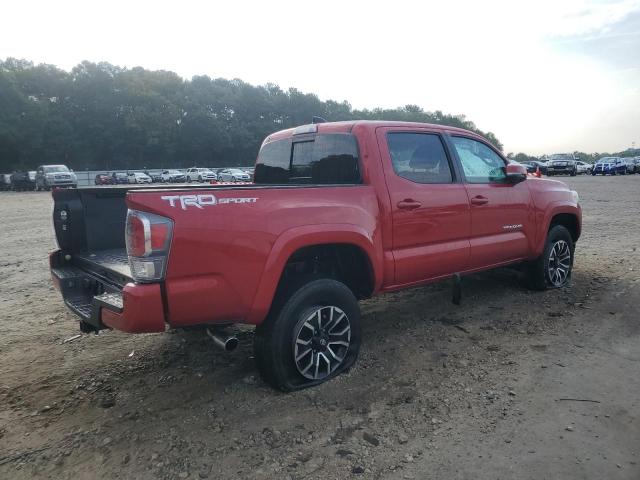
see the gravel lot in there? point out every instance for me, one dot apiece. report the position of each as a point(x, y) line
point(512, 384)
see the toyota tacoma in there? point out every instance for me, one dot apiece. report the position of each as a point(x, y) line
point(338, 212)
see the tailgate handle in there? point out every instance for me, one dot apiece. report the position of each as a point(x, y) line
point(408, 204)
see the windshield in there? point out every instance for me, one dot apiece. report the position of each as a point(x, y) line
point(56, 168)
point(562, 156)
point(235, 170)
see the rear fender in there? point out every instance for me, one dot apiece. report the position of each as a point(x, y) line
point(306, 236)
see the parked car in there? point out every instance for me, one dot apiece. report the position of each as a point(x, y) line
point(629, 166)
point(119, 178)
point(156, 176)
point(50, 176)
point(23, 181)
point(103, 179)
point(5, 181)
point(138, 177)
point(301, 257)
point(562, 167)
point(636, 164)
point(195, 174)
point(233, 175)
point(609, 166)
point(584, 167)
point(172, 176)
point(531, 168)
point(541, 165)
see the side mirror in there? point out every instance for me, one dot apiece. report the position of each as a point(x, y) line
point(516, 173)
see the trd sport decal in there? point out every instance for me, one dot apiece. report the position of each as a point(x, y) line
point(204, 200)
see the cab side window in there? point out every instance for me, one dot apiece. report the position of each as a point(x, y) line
point(419, 157)
point(479, 163)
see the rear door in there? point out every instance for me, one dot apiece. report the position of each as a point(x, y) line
point(430, 209)
point(502, 222)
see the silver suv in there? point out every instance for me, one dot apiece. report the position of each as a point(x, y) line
point(195, 174)
point(50, 176)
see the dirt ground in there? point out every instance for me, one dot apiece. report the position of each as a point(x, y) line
point(512, 384)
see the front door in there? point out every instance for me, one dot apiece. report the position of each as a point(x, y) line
point(430, 207)
point(502, 223)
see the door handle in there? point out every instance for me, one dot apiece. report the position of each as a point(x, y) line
point(409, 204)
point(479, 200)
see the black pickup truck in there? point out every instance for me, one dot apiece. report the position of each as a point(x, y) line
point(562, 164)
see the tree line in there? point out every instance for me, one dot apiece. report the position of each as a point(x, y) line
point(100, 116)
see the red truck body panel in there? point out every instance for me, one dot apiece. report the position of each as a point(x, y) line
point(230, 245)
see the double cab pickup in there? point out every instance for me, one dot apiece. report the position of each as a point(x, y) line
point(338, 212)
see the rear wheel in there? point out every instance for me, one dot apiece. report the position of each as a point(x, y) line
point(553, 268)
point(311, 335)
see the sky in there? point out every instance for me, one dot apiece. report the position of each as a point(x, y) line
point(545, 76)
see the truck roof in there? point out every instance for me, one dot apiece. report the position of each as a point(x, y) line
point(348, 126)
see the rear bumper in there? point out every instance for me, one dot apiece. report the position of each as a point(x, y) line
point(133, 308)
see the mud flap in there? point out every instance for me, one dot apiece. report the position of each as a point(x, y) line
point(456, 289)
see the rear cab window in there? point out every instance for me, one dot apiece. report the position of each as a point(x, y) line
point(322, 159)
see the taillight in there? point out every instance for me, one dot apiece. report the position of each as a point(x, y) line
point(148, 237)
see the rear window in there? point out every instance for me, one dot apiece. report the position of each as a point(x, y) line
point(320, 159)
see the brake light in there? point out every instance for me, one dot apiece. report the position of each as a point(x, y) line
point(148, 237)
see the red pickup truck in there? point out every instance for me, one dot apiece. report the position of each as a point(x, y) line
point(338, 212)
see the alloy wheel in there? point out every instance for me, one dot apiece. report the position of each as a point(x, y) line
point(559, 263)
point(321, 341)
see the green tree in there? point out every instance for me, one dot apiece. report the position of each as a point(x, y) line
point(101, 116)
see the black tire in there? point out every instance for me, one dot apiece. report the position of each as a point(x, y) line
point(293, 308)
point(573, 174)
point(538, 271)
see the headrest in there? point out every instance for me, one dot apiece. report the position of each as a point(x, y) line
point(425, 157)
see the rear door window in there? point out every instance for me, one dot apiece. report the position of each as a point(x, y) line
point(321, 160)
point(419, 157)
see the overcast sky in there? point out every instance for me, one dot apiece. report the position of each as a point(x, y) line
point(544, 75)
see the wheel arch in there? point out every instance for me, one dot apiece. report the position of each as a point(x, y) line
point(569, 221)
point(315, 243)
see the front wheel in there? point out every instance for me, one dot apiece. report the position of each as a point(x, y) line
point(311, 335)
point(553, 268)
